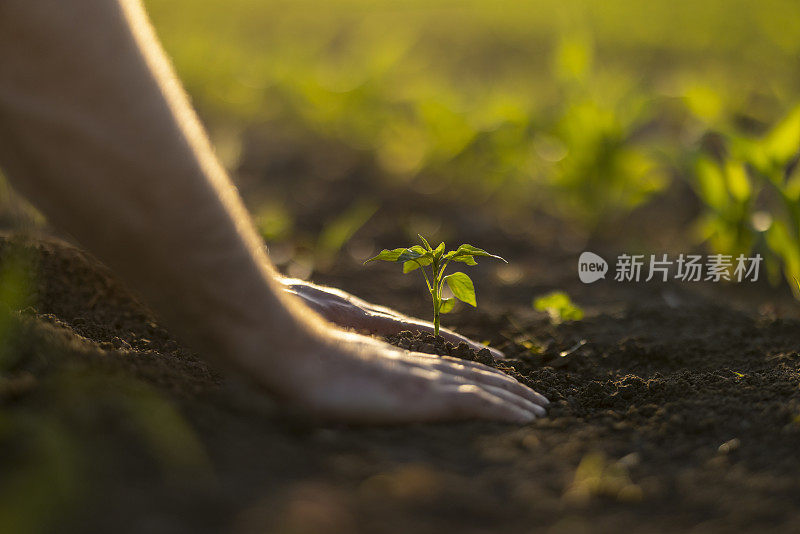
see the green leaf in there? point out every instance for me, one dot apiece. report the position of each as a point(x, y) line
point(414, 253)
point(462, 287)
point(447, 305)
point(402, 255)
point(425, 242)
point(438, 251)
point(412, 265)
point(469, 260)
point(388, 255)
point(469, 250)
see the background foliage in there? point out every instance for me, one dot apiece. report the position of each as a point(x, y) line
point(586, 109)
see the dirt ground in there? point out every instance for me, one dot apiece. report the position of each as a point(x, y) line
point(675, 409)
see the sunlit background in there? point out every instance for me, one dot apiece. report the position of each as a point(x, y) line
point(585, 110)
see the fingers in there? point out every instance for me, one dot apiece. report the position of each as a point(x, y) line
point(451, 368)
point(510, 385)
point(368, 381)
point(516, 400)
point(482, 374)
point(444, 401)
point(468, 401)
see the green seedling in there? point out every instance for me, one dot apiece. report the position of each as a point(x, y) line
point(432, 262)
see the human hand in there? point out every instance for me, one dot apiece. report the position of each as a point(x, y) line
point(348, 311)
point(354, 378)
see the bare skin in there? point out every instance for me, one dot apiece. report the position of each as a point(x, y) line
point(348, 311)
point(96, 131)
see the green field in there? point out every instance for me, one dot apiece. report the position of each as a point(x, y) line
point(585, 108)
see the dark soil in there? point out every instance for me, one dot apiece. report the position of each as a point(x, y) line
point(424, 342)
point(672, 411)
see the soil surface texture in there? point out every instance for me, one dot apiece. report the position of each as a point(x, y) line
point(674, 409)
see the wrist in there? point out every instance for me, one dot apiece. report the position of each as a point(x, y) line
point(269, 340)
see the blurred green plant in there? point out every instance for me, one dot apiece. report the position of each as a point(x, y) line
point(592, 159)
point(154, 418)
point(48, 444)
point(564, 110)
point(420, 257)
point(55, 412)
point(559, 307)
point(750, 190)
point(41, 477)
point(578, 112)
point(598, 477)
point(273, 222)
point(728, 195)
point(17, 267)
point(339, 231)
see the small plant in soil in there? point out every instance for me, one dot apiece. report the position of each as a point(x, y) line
point(432, 262)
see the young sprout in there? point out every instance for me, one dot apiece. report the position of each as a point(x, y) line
point(432, 262)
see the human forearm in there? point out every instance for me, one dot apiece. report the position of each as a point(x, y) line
point(95, 130)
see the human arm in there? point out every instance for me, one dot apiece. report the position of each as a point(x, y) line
point(96, 131)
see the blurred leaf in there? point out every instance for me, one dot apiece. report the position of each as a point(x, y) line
point(704, 102)
point(171, 439)
point(273, 222)
point(559, 307)
point(37, 489)
point(506, 103)
point(711, 185)
point(596, 476)
point(338, 232)
point(92, 396)
point(573, 59)
point(737, 181)
point(787, 247)
point(771, 154)
point(16, 284)
point(783, 142)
